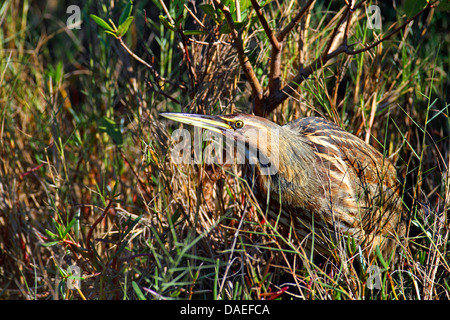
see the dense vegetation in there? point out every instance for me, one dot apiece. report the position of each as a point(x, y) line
point(86, 177)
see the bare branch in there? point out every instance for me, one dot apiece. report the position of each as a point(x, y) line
point(158, 77)
point(163, 5)
point(259, 13)
point(345, 14)
point(283, 33)
point(276, 43)
point(403, 25)
point(277, 98)
point(275, 61)
point(304, 73)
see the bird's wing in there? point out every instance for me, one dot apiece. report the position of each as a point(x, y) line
point(359, 179)
point(333, 144)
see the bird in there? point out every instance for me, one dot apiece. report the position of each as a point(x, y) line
point(313, 176)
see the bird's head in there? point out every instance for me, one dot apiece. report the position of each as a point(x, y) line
point(255, 137)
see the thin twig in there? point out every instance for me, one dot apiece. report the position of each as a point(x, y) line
point(259, 13)
point(192, 73)
point(335, 32)
point(96, 222)
point(403, 25)
point(159, 90)
point(163, 5)
point(349, 20)
point(202, 26)
point(277, 98)
point(149, 66)
point(283, 33)
point(304, 73)
point(275, 61)
point(257, 89)
point(233, 246)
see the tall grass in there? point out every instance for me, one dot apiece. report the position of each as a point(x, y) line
point(87, 179)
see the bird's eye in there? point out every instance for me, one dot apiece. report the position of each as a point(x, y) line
point(239, 124)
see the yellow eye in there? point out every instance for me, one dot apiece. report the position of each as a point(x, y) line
point(239, 124)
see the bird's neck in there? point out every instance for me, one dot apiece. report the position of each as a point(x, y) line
point(289, 176)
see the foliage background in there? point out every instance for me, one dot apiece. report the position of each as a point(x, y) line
point(86, 178)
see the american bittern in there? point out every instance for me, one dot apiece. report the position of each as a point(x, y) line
point(316, 177)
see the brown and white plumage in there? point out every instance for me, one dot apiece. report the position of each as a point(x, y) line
point(325, 182)
point(355, 190)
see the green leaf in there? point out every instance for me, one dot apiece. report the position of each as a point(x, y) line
point(232, 7)
point(55, 73)
point(72, 277)
point(130, 226)
point(208, 9)
point(126, 13)
point(76, 227)
point(102, 23)
point(225, 29)
point(412, 7)
point(112, 129)
point(264, 3)
point(166, 23)
point(230, 194)
point(138, 291)
point(112, 33)
point(244, 4)
point(380, 257)
point(180, 10)
point(194, 32)
point(49, 244)
point(51, 234)
point(58, 228)
point(175, 217)
point(237, 24)
point(69, 226)
point(123, 28)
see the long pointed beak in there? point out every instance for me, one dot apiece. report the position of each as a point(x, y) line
point(213, 123)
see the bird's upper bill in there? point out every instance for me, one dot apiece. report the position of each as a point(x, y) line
point(257, 138)
point(213, 123)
